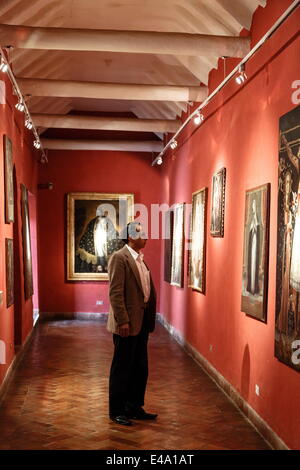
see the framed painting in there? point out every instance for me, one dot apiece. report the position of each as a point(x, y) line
point(27, 257)
point(218, 203)
point(95, 225)
point(8, 179)
point(169, 221)
point(287, 324)
point(256, 252)
point(9, 251)
point(198, 241)
point(177, 246)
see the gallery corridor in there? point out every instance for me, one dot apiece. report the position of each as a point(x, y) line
point(58, 397)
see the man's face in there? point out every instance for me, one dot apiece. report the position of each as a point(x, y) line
point(138, 239)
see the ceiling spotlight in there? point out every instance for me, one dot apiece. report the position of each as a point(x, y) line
point(20, 106)
point(159, 161)
point(3, 66)
point(241, 77)
point(37, 144)
point(173, 144)
point(198, 119)
point(28, 124)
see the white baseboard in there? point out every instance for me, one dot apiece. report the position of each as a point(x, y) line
point(248, 412)
point(20, 351)
point(74, 315)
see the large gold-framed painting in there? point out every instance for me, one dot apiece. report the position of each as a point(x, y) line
point(256, 252)
point(27, 257)
point(8, 178)
point(218, 203)
point(198, 241)
point(287, 325)
point(95, 225)
point(9, 249)
point(178, 246)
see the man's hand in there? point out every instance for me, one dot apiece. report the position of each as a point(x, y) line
point(124, 330)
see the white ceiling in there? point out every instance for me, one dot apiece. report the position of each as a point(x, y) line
point(187, 17)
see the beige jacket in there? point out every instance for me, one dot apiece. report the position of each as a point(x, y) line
point(126, 294)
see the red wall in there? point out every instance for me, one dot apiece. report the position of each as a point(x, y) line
point(15, 321)
point(79, 171)
point(240, 132)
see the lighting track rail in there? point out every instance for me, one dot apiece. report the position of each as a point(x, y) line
point(22, 106)
point(237, 70)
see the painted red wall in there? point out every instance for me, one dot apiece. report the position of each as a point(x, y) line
point(79, 171)
point(15, 321)
point(240, 132)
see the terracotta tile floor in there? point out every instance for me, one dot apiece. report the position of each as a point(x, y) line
point(58, 397)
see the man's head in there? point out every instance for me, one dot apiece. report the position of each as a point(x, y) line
point(135, 236)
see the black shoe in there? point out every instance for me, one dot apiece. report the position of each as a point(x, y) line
point(139, 413)
point(121, 419)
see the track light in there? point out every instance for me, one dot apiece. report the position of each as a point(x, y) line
point(28, 124)
point(198, 119)
point(37, 144)
point(3, 66)
point(20, 106)
point(241, 77)
point(173, 144)
point(159, 161)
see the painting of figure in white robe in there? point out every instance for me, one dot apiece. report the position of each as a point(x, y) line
point(255, 256)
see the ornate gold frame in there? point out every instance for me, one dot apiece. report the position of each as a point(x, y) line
point(101, 197)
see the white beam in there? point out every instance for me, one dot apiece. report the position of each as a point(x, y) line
point(115, 91)
point(27, 37)
point(122, 145)
point(105, 123)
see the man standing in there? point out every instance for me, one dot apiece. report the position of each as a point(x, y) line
point(131, 319)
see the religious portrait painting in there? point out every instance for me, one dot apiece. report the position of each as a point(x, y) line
point(218, 203)
point(287, 325)
point(8, 178)
point(168, 242)
point(178, 246)
point(96, 224)
point(27, 256)
point(9, 249)
point(256, 252)
point(197, 258)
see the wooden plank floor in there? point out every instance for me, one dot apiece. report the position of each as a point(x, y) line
point(58, 397)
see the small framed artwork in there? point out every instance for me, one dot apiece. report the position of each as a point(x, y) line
point(256, 252)
point(198, 241)
point(8, 179)
point(218, 203)
point(27, 257)
point(177, 246)
point(95, 225)
point(169, 221)
point(9, 251)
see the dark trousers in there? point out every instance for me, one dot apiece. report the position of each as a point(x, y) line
point(129, 371)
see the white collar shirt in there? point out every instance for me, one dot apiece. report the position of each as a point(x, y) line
point(143, 272)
